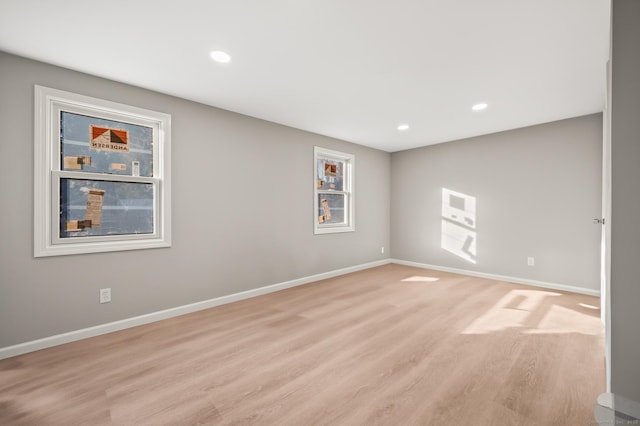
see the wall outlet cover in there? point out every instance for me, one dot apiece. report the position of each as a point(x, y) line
point(105, 295)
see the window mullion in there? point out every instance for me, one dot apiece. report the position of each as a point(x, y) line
point(61, 174)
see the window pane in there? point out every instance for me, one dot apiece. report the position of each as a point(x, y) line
point(330, 174)
point(331, 208)
point(96, 145)
point(93, 208)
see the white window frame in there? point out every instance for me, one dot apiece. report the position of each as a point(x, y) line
point(348, 225)
point(49, 103)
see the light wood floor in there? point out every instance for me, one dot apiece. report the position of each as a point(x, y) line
point(392, 345)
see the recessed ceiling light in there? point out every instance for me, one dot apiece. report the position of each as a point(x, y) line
point(480, 106)
point(403, 127)
point(220, 56)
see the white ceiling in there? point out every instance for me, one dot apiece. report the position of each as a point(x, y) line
point(350, 69)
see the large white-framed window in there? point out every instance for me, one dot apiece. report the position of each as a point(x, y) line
point(102, 175)
point(333, 197)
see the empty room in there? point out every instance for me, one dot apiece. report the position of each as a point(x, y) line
point(319, 213)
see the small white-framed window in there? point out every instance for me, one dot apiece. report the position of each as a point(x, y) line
point(333, 197)
point(101, 174)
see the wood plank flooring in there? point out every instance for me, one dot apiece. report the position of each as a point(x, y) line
point(392, 345)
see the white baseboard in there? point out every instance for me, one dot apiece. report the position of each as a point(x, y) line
point(613, 404)
point(554, 286)
point(85, 333)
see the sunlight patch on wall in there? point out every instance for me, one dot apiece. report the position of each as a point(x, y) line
point(458, 234)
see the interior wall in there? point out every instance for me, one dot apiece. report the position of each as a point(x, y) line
point(536, 191)
point(625, 200)
point(242, 211)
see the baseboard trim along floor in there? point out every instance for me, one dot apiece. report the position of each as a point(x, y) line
point(85, 333)
point(515, 280)
point(389, 345)
point(614, 409)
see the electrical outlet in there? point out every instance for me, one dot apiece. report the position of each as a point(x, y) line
point(382, 250)
point(530, 261)
point(105, 295)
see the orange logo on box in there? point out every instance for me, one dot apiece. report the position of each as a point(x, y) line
point(108, 139)
point(330, 170)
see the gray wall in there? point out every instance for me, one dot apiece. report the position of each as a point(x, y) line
point(242, 213)
point(625, 199)
point(239, 224)
point(537, 190)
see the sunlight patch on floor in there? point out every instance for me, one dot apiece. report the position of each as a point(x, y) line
point(584, 305)
point(513, 310)
point(560, 319)
point(418, 278)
